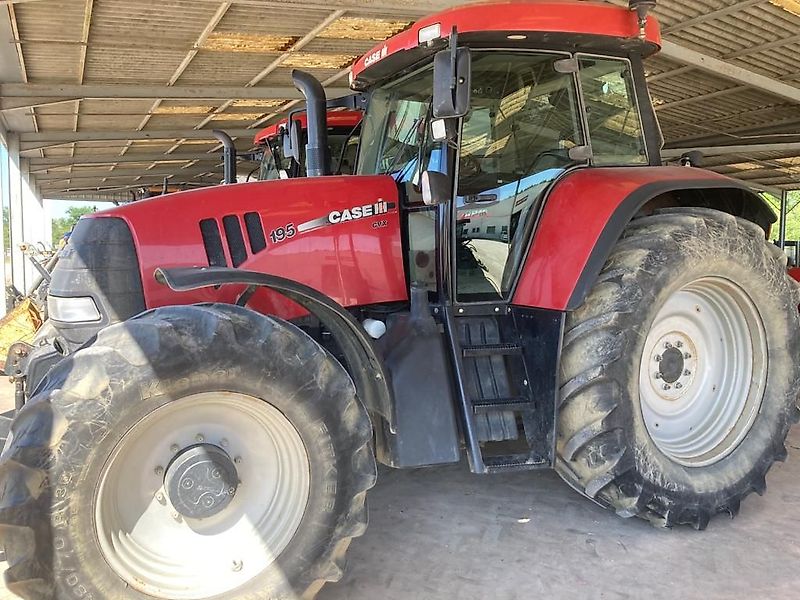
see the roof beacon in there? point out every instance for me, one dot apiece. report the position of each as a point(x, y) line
point(642, 7)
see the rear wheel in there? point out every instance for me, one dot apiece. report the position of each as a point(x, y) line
point(188, 453)
point(679, 378)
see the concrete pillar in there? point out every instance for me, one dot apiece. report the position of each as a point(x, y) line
point(15, 185)
point(5, 199)
point(782, 219)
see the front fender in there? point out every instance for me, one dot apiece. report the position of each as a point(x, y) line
point(363, 363)
point(587, 211)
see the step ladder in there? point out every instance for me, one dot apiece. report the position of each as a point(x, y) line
point(504, 428)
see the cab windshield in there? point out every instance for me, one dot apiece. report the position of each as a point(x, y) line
point(342, 144)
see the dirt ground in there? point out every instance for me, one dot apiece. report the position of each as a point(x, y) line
point(440, 534)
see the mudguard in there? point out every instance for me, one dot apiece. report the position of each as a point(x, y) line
point(587, 210)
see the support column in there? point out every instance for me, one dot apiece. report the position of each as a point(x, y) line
point(782, 220)
point(15, 184)
point(5, 199)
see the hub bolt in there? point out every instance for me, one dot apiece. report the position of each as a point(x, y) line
point(238, 460)
point(687, 355)
point(224, 443)
point(174, 448)
point(678, 386)
point(679, 344)
point(657, 358)
point(667, 345)
point(657, 375)
point(687, 372)
point(237, 565)
point(231, 491)
point(200, 438)
point(160, 497)
point(667, 387)
point(159, 471)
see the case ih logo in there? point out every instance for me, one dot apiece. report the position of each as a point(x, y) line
point(354, 213)
point(376, 56)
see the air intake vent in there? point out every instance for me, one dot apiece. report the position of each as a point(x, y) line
point(212, 240)
point(233, 233)
point(255, 232)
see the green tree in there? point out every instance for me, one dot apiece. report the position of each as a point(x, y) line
point(65, 224)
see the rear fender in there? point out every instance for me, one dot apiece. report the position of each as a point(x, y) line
point(587, 211)
point(363, 363)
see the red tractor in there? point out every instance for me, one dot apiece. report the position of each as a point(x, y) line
point(510, 275)
point(279, 160)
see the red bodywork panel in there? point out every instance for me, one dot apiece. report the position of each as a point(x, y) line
point(354, 261)
point(341, 118)
point(546, 16)
point(576, 212)
point(794, 273)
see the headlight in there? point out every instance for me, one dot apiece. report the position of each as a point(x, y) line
point(72, 310)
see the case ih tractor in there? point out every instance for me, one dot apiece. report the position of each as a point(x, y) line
point(280, 161)
point(510, 276)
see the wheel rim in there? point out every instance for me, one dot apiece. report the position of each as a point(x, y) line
point(158, 550)
point(703, 371)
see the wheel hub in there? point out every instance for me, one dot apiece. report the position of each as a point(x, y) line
point(703, 371)
point(671, 365)
point(201, 481)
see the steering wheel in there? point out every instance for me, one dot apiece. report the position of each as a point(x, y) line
point(470, 166)
point(560, 158)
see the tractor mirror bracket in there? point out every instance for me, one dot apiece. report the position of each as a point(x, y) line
point(291, 140)
point(435, 188)
point(451, 83)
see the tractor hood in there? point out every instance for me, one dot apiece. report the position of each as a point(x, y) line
point(338, 235)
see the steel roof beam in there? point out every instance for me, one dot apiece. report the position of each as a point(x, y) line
point(730, 71)
point(149, 134)
point(39, 91)
point(740, 149)
point(43, 163)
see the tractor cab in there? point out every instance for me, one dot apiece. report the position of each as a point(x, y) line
point(493, 104)
point(277, 163)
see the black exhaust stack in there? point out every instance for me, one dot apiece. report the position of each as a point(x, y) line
point(317, 160)
point(229, 155)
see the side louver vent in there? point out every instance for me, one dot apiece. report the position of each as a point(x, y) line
point(234, 237)
point(212, 240)
point(255, 232)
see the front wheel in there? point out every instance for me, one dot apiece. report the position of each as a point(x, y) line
point(680, 372)
point(188, 453)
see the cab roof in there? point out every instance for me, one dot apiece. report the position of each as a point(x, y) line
point(339, 118)
point(544, 24)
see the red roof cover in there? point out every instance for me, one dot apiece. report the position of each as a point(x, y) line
point(550, 16)
point(339, 118)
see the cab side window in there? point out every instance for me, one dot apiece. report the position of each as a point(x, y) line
point(615, 129)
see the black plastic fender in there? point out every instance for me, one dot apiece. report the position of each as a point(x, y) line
point(364, 365)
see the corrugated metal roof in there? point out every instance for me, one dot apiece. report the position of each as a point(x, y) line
point(239, 43)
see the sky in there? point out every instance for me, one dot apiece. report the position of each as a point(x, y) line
point(58, 208)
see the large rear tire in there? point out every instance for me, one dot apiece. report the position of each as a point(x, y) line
point(98, 482)
point(680, 372)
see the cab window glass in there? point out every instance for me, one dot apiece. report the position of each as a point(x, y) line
point(514, 142)
point(615, 129)
point(395, 135)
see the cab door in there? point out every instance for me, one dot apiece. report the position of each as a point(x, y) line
point(522, 132)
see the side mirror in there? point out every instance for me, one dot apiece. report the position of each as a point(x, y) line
point(436, 188)
point(452, 78)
